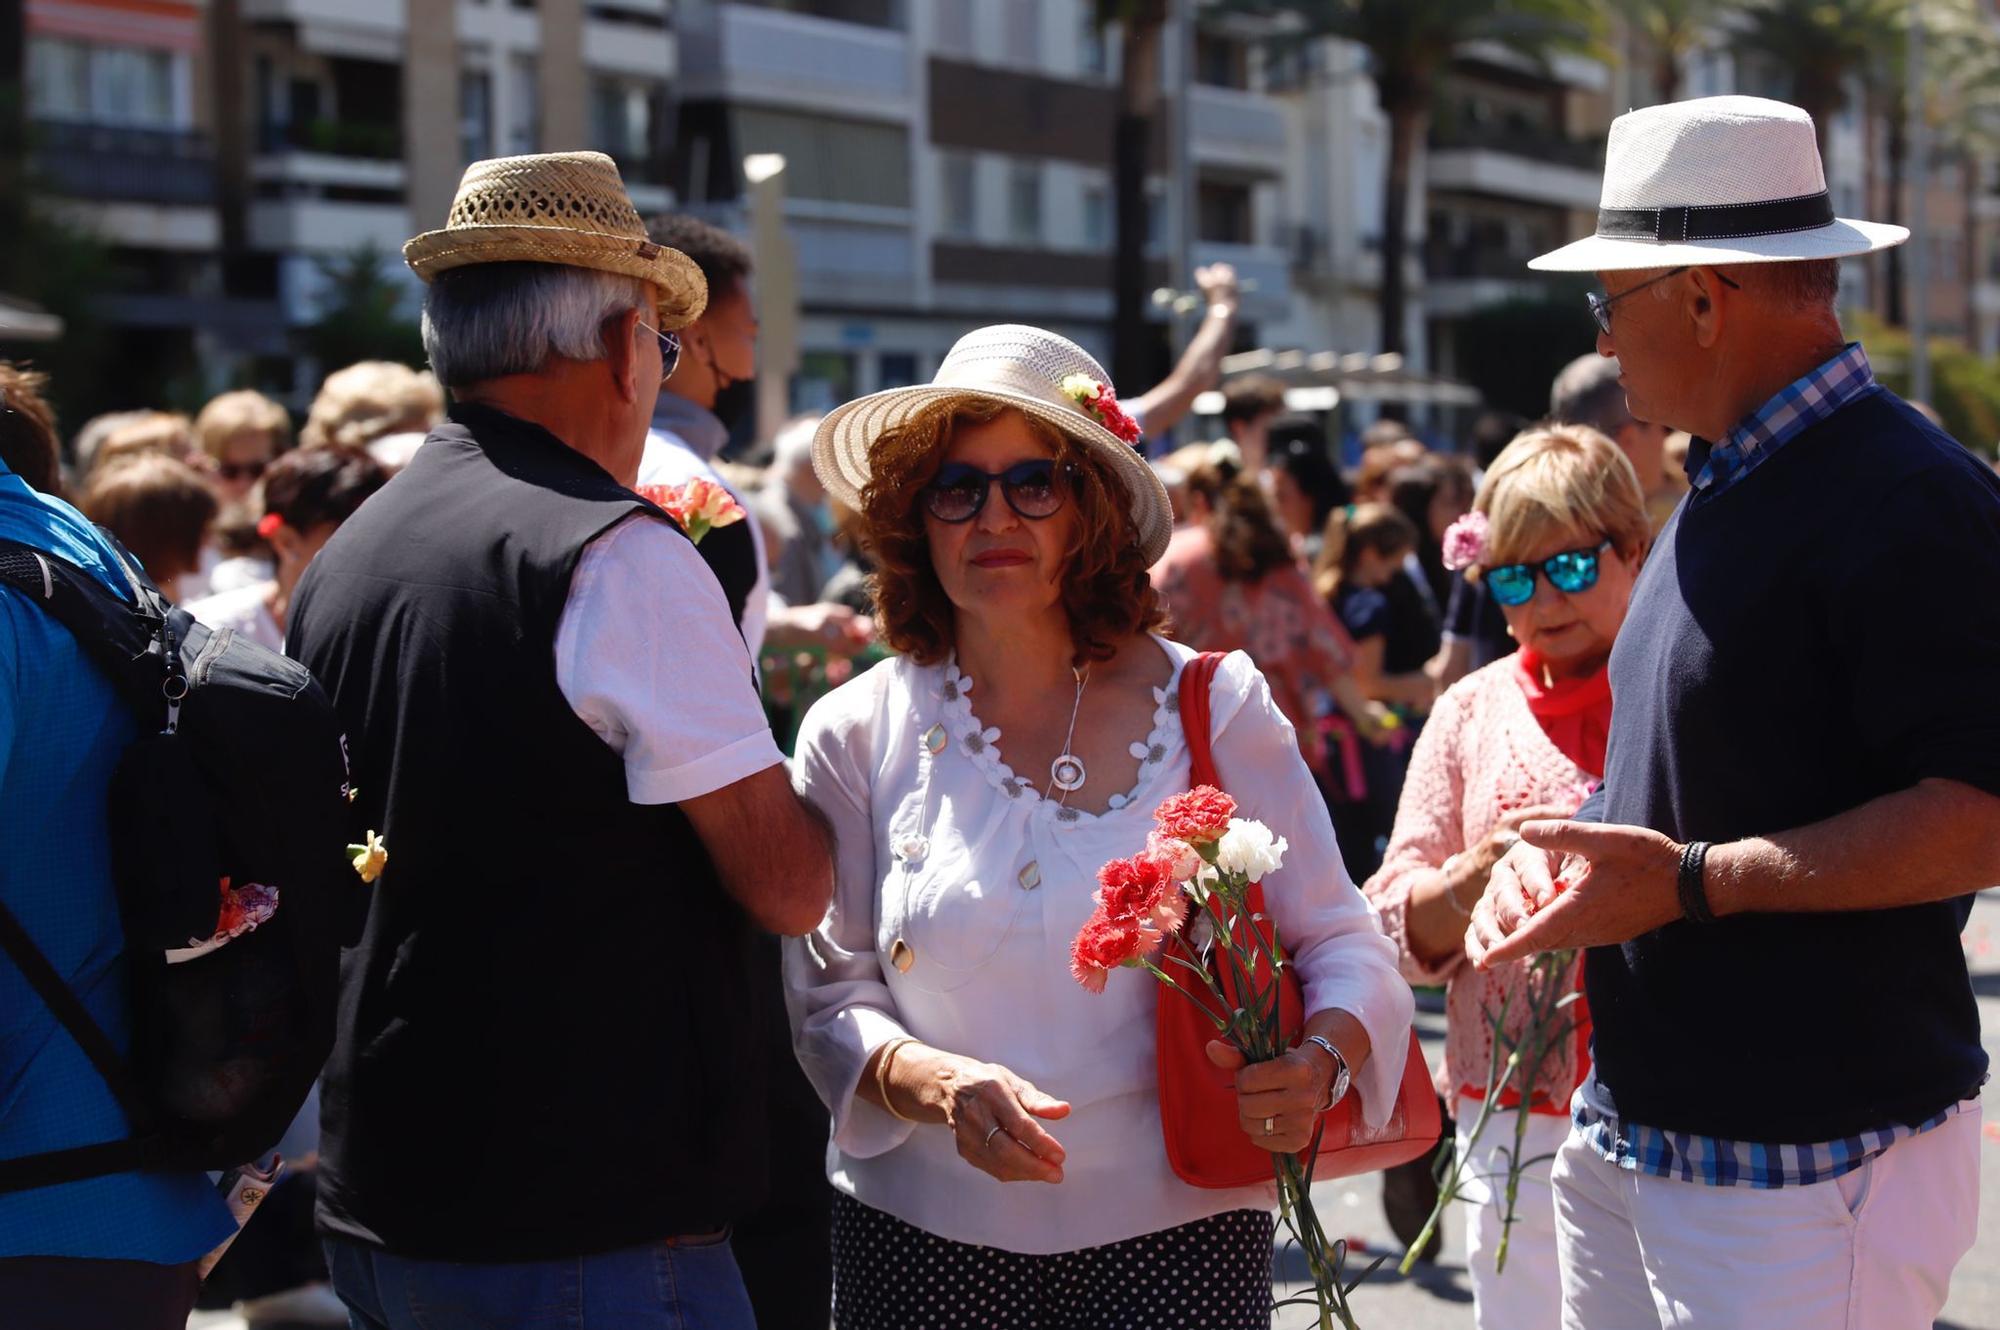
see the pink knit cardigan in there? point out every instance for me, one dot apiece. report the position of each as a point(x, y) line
point(1481, 755)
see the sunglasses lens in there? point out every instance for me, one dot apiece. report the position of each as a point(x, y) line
point(670, 354)
point(1512, 584)
point(1573, 571)
point(1032, 489)
point(956, 495)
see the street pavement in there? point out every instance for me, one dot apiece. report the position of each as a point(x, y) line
point(1440, 1297)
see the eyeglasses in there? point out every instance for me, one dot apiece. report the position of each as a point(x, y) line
point(1034, 489)
point(670, 350)
point(241, 470)
point(1570, 572)
point(1600, 305)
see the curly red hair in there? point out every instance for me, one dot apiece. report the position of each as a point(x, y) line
point(1106, 591)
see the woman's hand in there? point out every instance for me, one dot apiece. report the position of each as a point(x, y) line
point(993, 1114)
point(1282, 1095)
point(1469, 875)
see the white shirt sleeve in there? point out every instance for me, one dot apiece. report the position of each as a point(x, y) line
point(841, 1006)
point(1343, 958)
point(649, 658)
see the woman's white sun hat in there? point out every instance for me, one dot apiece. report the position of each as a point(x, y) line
point(1034, 371)
point(1715, 180)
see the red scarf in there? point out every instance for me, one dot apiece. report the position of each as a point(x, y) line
point(1574, 713)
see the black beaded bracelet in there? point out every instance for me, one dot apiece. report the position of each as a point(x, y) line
point(1694, 896)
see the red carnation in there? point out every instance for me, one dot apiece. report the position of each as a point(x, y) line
point(1113, 416)
point(1197, 817)
point(1104, 944)
point(1142, 888)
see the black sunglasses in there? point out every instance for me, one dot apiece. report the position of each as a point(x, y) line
point(241, 470)
point(1034, 489)
point(670, 350)
point(1600, 304)
point(1570, 572)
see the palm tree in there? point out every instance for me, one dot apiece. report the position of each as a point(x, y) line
point(1824, 43)
point(1410, 44)
point(1672, 29)
point(1139, 89)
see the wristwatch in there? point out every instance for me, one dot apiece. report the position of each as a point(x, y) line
point(1337, 1089)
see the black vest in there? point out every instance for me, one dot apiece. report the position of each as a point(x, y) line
point(541, 1032)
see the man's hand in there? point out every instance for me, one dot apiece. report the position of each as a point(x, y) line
point(1574, 884)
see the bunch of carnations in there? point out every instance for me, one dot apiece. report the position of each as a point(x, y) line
point(1192, 883)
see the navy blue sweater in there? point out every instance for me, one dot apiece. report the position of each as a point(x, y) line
point(1824, 632)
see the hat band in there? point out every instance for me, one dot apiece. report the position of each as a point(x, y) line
point(1716, 221)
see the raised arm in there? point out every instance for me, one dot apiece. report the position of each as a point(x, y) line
point(1161, 407)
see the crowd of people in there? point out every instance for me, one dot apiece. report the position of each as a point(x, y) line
point(722, 882)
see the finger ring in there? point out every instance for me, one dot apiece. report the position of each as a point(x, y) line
point(989, 1136)
point(1270, 1126)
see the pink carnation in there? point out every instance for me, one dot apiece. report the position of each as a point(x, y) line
point(1200, 815)
point(1465, 541)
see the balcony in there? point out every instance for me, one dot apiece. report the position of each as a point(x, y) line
point(842, 262)
point(1459, 279)
point(327, 226)
point(774, 58)
point(117, 164)
point(1238, 129)
point(336, 138)
point(616, 47)
point(1517, 162)
point(364, 29)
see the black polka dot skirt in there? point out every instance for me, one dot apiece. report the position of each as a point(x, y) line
point(1213, 1274)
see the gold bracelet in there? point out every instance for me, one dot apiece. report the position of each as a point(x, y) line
point(882, 1061)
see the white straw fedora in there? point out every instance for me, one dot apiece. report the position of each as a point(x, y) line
point(1022, 367)
point(558, 207)
point(1715, 180)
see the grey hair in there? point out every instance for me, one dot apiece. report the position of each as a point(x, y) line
point(488, 320)
point(792, 445)
point(1587, 392)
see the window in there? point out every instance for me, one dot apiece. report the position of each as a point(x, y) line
point(961, 195)
point(106, 85)
point(1021, 33)
point(1222, 213)
point(475, 115)
point(1221, 62)
point(1093, 55)
point(834, 161)
point(898, 369)
point(524, 120)
point(955, 28)
point(825, 380)
point(1097, 217)
point(624, 124)
point(1024, 203)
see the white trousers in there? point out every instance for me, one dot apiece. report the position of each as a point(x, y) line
point(1873, 1250)
point(1527, 1295)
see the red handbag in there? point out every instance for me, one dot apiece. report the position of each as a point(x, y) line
point(1206, 1143)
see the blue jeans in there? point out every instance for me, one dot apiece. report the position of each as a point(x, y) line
point(663, 1286)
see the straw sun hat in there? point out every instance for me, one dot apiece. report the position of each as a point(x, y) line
point(1017, 366)
point(558, 207)
point(1715, 180)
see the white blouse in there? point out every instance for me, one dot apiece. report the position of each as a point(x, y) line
point(984, 884)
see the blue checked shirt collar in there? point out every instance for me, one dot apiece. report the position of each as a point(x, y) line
point(1800, 404)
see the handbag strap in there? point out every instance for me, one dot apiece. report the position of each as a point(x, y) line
point(1196, 677)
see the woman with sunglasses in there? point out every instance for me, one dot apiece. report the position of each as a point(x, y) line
point(1557, 534)
point(997, 1148)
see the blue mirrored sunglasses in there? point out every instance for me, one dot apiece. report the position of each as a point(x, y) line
point(1034, 489)
point(1569, 572)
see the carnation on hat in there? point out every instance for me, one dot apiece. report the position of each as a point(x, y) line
point(1031, 370)
point(1715, 180)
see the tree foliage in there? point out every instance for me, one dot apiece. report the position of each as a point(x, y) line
point(361, 314)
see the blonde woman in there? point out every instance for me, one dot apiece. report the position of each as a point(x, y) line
point(240, 434)
point(379, 405)
point(1557, 534)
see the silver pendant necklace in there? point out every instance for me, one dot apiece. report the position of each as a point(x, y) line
point(1067, 772)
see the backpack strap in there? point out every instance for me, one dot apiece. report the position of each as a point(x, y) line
point(1196, 677)
point(136, 643)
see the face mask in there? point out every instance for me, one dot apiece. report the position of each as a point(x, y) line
point(734, 403)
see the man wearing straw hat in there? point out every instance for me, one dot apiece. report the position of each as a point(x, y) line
point(536, 1112)
point(1782, 1122)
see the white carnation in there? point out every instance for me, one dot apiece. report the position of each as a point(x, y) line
point(1250, 849)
